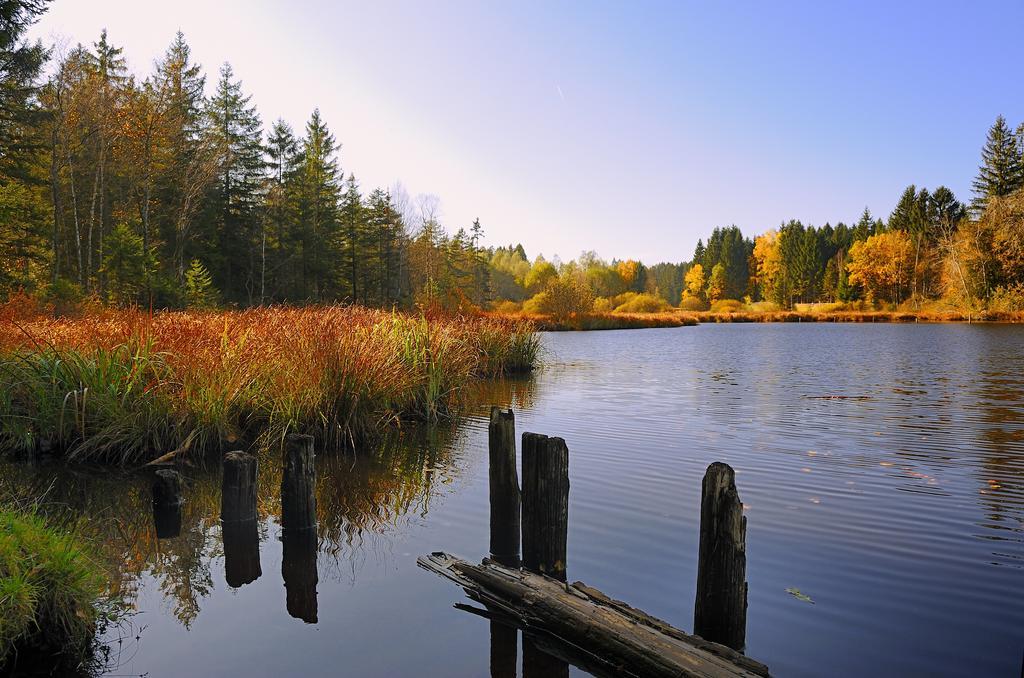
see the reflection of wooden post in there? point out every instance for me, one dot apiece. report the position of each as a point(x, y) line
point(238, 493)
point(241, 552)
point(545, 504)
point(504, 487)
point(720, 612)
point(167, 503)
point(298, 569)
point(239, 529)
point(539, 664)
point(298, 503)
point(504, 648)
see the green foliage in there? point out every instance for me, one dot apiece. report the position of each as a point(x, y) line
point(127, 266)
point(1002, 166)
point(49, 589)
point(199, 289)
point(641, 303)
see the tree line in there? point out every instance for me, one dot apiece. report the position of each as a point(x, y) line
point(151, 191)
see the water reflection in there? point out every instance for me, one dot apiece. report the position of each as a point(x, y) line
point(241, 541)
point(298, 569)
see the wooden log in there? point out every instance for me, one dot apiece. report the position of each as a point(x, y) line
point(241, 552)
point(612, 632)
point(504, 487)
point(298, 569)
point(238, 488)
point(545, 504)
point(720, 610)
point(298, 501)
point(167, 501)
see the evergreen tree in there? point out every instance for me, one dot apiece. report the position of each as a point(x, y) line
point(355, 254)
point(278, 244)
point(317, 198)
point(1002, 166)
point(20, 65)
point(236, 197)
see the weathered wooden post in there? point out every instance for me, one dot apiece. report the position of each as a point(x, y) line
point(167, 503)
point(298, 501)
point(545, 504)
point(504, 487)
point(238, 488)
point(239, 529)
point(720, 610)
point(298, 569)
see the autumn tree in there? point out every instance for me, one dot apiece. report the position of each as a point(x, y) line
point(882, 264)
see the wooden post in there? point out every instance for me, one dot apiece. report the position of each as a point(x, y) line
point(167, 503)
point(545, 504)
point(241, 552)
point(504, 487)
point(238, 490)
point(298, 569)
point(298, 502)
point(720, 610)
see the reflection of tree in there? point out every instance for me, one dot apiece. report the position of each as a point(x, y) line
point(1002, 464)
point(517, 392)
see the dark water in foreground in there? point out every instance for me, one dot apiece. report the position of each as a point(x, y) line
point(882, 467)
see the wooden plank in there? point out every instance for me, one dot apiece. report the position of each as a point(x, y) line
point(579, 615)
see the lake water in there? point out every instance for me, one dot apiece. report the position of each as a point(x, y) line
point(881, 466)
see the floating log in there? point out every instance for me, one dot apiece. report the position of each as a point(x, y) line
point(298, 569)
point(611, 631)
point(167, 503)
point(241, 552)
point(238, 489)
point(504, 487)
point(545, 504)
point(720, 610)
point(298, 501)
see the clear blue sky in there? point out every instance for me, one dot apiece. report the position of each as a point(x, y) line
point(628, 128)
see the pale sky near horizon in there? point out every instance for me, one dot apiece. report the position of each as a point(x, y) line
point(631, 129)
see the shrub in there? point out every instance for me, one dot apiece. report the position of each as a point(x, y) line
point(1008, 299)
point(49, 588)
point(643, 303)
point(507, 307)
point(726, 306)
point(603, 305)
point(566, 296)
point(692, 303)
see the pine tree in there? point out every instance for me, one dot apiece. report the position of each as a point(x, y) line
point(20, 65)
point(278, 244)
point(1002, 166)
point(317, 198)
point(236, 198)
point(355, 255)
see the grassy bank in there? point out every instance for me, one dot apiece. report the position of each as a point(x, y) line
point(601, 321)
point(49, 587)
point(852, 317)
point(125, 387)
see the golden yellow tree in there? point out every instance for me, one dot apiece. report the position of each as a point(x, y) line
point(768, 255)
point(883, 265)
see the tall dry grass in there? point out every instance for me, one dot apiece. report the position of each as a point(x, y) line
point(125, 386)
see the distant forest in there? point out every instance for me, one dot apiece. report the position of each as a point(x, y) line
point(151, 192)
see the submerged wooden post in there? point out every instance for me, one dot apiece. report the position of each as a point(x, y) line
point(504, 487)
point(298, 501)
point(167, 503)
point(238, 489)
point(545, 504)
point(720, 610)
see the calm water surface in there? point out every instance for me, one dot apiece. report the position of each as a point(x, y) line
point(882, 469)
